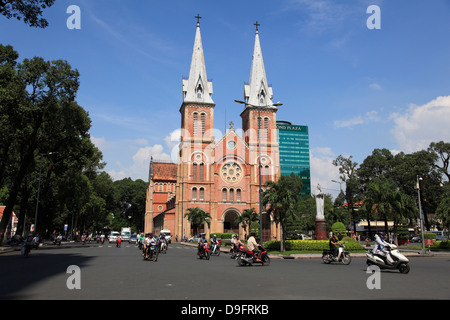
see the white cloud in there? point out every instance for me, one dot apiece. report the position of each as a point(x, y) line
point(418, 126)
point(375, 86)
point(370, 116)
point(323, 171)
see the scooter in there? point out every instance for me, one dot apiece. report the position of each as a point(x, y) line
point(235, 250)
point(400, 261)
point(203, 251)
point(246, 256)
point(343, 256)
point(215, 249)
point(118, 242)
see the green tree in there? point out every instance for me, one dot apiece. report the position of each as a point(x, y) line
point(280, 199)
point(198, 217)
point(442, 149)
point(246, 218)
point(28, 10)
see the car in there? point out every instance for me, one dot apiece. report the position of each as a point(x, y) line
point(113, 236)
point(167, 235)
point(133, 238)
point(416, 238)
point(193, 239)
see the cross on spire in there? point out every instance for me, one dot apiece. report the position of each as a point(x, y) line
point(257, 25)
point(198, 19)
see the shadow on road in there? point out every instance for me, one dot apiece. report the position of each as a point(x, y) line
point(17, 272)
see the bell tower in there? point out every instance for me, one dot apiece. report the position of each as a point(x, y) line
point(197, 123)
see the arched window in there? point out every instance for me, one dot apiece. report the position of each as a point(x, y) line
point(199, 91)
point(202, 171)
point(238, 195)
point(202, 194)
point(203, 121)
point(231, 194)
point(266, 174)
point(224, 194)
point(266, 128)
point(195, 117)
point(194, 193)
point(194, 171)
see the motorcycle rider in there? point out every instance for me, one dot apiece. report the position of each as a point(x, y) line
point(148, 242)
point(380, 250)
point(333, 242)
point(214, 242)
point(252, 245)
point(201, 241)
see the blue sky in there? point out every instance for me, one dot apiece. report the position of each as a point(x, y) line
point(357, 89)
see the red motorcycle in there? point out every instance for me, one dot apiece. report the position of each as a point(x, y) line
point(203, 250)
point(246, 256)
point(118, 242)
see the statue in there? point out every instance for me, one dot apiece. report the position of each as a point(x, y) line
point(321, 233)
point(320, 204)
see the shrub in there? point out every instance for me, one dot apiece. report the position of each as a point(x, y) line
point(310, 245)
point(339, 227)
point(429, 235)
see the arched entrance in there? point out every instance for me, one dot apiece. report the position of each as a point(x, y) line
point(229, 225)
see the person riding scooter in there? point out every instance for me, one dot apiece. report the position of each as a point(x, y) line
point(380, 250)
point(334, 241)
point(252, 245)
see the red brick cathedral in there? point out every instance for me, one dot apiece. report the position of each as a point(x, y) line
point(216, 174)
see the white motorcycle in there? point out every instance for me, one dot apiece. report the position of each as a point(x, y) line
point(400, 262)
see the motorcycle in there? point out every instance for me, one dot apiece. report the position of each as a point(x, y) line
point(203, 251)
point(400, 261)
point(152, 252)
point(83, 240)
point(163, 246)
point(118, 242)
point(234, 251)
point(215, 249)
point(246, 256)
point(58, 240)
point(343, 256)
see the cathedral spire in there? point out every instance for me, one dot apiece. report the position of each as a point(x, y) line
point(197, 88)
point(258, 92)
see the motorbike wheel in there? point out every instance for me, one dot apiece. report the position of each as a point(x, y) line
point(218, 251)
point(207, 255)
point(404, 268)
point(326, 259)
point(240, 261)
point(346, 259)
point(266, 260)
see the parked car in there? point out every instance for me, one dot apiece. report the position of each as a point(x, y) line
point(416, 238)
point(133, 238)
point(194, 239)
point(113, 236)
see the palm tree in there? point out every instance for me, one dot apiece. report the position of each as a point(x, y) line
point(384, 199)
point(246, 218)
point(198, 217)
point(281, 200)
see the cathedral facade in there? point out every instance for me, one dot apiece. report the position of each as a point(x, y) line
point(218, 175)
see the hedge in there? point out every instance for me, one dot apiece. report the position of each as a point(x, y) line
point(310, 245)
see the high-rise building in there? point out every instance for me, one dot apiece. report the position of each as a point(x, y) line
point(294, 152)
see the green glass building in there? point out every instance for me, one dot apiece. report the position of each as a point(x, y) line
point(294, 152)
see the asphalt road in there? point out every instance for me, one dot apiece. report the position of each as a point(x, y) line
point(110, 273)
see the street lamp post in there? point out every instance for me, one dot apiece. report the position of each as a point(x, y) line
point(340, 184)
point(421, 214)
point(259, 158)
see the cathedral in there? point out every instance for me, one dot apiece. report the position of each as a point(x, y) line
point(219, 175)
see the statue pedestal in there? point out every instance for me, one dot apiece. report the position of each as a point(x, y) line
point(321, 229)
